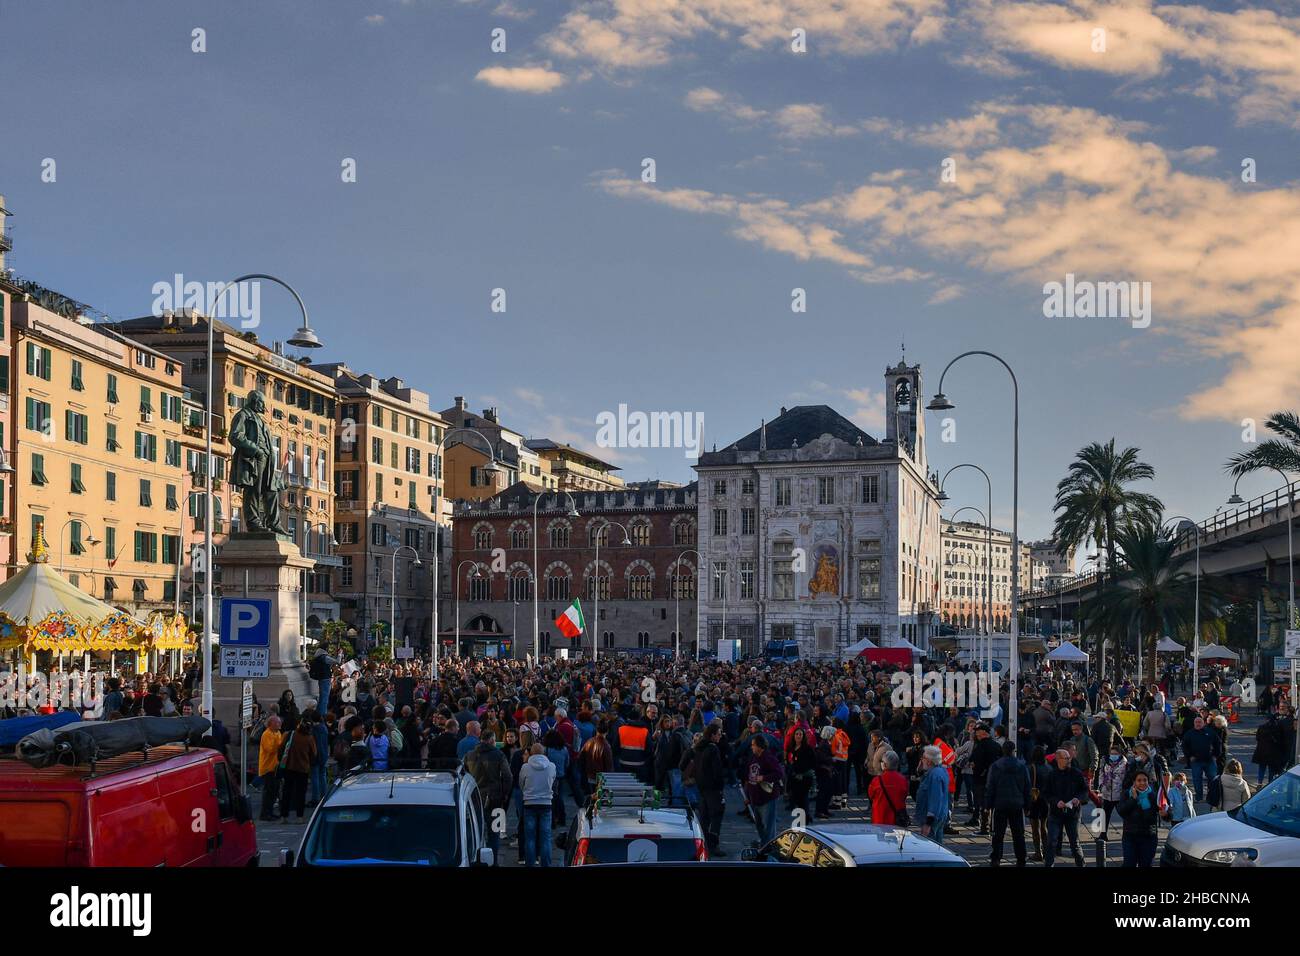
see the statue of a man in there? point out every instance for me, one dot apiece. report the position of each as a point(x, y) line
point(253, 467)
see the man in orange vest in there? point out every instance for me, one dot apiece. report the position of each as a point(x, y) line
point(634, 746)
point(840, 754)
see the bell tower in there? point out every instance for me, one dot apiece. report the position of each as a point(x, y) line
point(905, 425)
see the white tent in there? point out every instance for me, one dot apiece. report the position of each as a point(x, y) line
point(1168, 645)
point(904, 642)
point(855, 650)
point(1067, 652)
point(1216, 652)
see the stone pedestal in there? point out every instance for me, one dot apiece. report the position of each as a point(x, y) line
point(266, 567)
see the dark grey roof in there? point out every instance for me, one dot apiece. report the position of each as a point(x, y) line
point(805, 423)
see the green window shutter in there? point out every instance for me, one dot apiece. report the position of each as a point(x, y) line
point(31, 358)
point(46, 365)
point(4, 366)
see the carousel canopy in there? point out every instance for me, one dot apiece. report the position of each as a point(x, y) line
point(41, 610)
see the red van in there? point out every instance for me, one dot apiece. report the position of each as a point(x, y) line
point(175, 807)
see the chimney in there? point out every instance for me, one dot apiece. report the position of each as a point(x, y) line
point(783, 409)
point(762, 435)
point(490, 414)
point(461, 404)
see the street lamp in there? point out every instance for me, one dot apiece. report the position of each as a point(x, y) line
point(90, 538)
point(477, 574)
point(940, 402)
point(537, 578)
point(304, 338)
point(988, 584)
point(988, 574)
point(392, 598)
point(491, 471)
point(677, 592)
point(627, 541)
point(1196, 610)
point(1290, 550)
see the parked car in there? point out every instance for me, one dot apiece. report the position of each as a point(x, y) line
point(173, 807)
point(624, 823)
point(777, 652)
point(1264, 831)
point(854, 844)
point(396, 818)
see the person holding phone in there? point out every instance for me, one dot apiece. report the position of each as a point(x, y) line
point(1141, 813)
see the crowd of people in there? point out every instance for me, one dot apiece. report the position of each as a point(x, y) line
point(773, 741)
point(782, 741)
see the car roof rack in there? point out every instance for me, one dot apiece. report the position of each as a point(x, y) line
point(625, 791)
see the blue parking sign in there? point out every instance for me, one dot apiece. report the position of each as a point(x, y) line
point(245, 622)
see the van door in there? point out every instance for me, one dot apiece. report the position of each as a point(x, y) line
point(236, 841)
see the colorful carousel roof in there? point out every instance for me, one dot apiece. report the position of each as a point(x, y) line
point(42, 610)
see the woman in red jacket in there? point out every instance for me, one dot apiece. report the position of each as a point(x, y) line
point(888, 792)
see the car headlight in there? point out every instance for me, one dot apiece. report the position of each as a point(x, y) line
point(1235, 856)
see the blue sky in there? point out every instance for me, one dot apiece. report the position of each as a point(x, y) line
point(775, 170)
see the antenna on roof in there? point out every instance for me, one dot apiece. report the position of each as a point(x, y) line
point(903, 345)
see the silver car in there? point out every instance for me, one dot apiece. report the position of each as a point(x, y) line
point(1264, 831)
point(854, 844)
point(396, 818)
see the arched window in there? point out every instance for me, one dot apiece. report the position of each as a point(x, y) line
point(683, 532)
point(640, 587)
point(559, 535)
point(598, 531)
point(482, 536)
point(520, 586)
point(520, 535)
point(640, 532)
point(557, 585)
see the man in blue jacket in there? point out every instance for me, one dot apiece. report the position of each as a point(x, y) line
point(932, 795)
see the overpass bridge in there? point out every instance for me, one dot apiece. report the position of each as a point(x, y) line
point(1246, 546)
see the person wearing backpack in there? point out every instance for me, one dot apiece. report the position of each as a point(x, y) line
point(321, 670)
point(491, 772)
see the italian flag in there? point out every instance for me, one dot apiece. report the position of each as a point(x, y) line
point(570, 622)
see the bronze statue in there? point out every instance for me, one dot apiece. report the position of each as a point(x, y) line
point(253, 467)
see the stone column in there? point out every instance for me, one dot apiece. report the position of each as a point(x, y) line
point(266, 566)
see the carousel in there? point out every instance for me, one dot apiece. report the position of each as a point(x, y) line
point(41, 612)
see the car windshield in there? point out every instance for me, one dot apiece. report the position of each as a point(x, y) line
point(640, 850)
point(383, 836)
point(1276, 808)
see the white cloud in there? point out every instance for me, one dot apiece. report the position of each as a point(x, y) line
point(375, 19)
point(867, 410)
point(1047, 190)
point(521, 79)
point(636, 34)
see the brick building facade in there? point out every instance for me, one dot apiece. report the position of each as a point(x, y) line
point(647, 588)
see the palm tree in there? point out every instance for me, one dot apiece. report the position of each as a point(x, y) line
point(1280, 453)
point(1154, 593)
point(1093, 501)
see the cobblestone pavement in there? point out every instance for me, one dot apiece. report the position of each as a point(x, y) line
point(738, 832)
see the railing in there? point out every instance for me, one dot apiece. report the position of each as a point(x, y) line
point(1256, 508)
